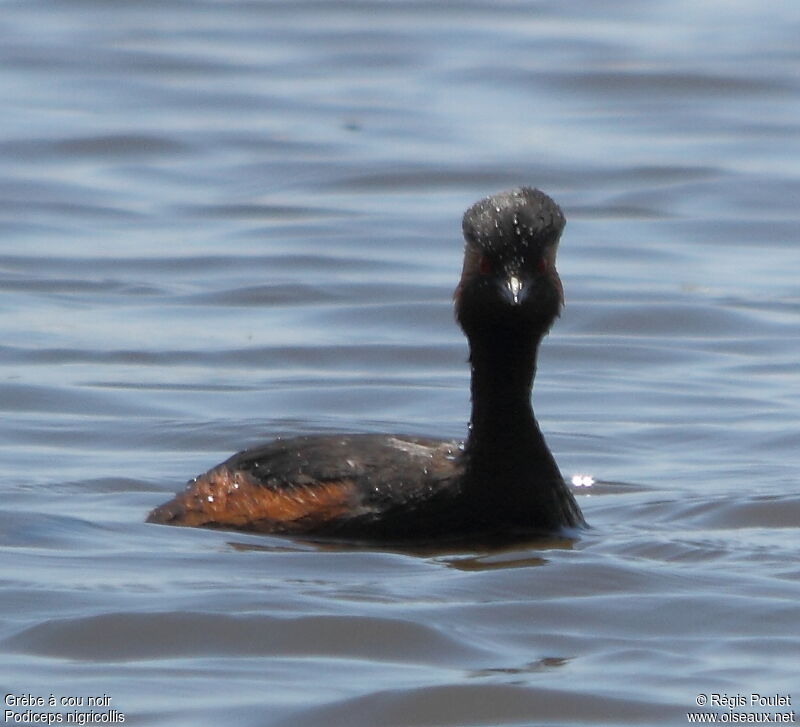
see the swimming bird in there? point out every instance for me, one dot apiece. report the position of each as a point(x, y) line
point(502, 481)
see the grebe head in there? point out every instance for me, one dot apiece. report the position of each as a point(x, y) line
point(509, 282)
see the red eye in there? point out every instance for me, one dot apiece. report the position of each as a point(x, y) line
point(484, 265)
point(542, 266)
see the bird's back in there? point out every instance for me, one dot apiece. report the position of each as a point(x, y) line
point(350, 485)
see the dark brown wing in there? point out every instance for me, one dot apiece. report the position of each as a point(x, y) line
point(355, 485)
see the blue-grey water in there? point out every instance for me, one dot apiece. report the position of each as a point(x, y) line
point(226, 221)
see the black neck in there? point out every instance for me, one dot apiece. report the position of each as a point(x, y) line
point(510, 469)
point(503, 367)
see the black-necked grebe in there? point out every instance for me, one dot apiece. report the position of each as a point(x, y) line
point(502, 481)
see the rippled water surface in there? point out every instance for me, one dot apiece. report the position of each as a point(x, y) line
point(222, 222)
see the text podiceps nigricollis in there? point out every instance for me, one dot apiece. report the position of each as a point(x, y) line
point(503, 481)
